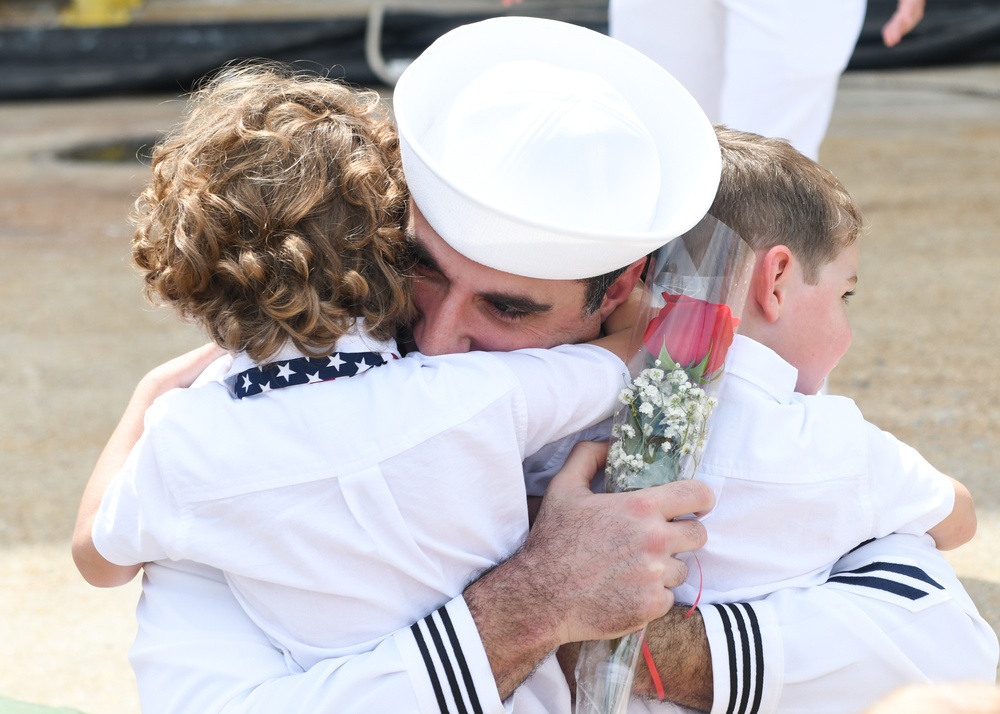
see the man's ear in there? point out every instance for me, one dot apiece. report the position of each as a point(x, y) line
point(772, 276)
point(621, 288)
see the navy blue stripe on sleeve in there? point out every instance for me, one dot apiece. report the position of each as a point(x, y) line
point(746, 657)
point(443, 657)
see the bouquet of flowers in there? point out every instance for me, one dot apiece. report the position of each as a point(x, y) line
point(695, 288)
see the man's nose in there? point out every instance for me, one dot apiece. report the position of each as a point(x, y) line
point(444, 327)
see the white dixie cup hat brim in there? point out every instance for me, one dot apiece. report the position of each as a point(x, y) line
point(548, 150)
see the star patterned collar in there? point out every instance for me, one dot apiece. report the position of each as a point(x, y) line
point(306, 370)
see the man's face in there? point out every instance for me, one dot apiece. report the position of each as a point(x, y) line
point(464, 306)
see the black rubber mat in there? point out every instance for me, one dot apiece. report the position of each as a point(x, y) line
point(38, 63)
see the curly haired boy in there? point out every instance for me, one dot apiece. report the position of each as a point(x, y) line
point(275, 219)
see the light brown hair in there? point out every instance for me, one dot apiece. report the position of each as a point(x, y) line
point(771, 194)
point(276, 212)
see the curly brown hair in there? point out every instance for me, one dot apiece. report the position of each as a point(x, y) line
point(771, 194)
point(276, 212)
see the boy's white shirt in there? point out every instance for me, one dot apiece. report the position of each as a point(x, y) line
point(367, 470)
point(799, 481)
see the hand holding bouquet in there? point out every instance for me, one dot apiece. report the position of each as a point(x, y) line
point(695, 289)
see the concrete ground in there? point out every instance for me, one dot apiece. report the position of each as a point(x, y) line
point(919, 149)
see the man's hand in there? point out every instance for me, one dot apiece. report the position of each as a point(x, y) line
point(908, 15)
point(595, 566)
point(608, 559)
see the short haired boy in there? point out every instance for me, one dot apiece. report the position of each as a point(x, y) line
point(275, 220)
point(801, 478)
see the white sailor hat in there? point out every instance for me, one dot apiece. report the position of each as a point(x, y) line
point(548, 150)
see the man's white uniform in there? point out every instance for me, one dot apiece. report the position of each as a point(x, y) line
point(830, 648)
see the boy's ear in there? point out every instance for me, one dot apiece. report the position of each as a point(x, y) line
point(621, 288)
point(771, 281)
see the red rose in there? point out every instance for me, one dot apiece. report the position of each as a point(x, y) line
point(691, 329)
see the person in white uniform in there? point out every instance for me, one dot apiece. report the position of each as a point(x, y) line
point(781, 453)
point(778, 448)
point(306, 441)
point(766, 66)
point(800, 478)
point(197, 649)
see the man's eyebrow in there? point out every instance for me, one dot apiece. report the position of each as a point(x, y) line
point(519, 303)
point(420, 253)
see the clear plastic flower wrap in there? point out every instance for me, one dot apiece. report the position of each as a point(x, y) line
point(695, 288)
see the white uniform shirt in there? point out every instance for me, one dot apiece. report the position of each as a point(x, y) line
point(196, 650)
point(799, 481)
point(343, 511)
point(832, 648)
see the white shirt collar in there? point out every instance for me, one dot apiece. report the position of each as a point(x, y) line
point(761, 366)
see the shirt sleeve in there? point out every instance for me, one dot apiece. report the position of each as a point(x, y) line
point(196, 650)
point(908, 494)
point(542, 466)
point(893, 613)
point(137, 516)
point(565, 389)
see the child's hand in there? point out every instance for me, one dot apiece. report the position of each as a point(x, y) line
point(180, 372)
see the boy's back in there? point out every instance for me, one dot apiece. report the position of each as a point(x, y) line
point(799, 481)
point(347, 488)
point(800, 478)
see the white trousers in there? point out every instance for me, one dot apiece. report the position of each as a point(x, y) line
point(766, 66)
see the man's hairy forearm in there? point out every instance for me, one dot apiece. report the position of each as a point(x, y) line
point(594, 566)
point(514, 634)
point(680, 650)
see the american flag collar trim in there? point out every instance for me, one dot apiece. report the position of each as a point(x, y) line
point(306, 370)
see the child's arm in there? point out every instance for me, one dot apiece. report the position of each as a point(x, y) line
point(617, 330)
point(960, 525)
point(178, 372)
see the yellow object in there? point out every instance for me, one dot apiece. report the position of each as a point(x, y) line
point(96, 13)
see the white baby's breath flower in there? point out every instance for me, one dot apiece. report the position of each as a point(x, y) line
point(662, 422)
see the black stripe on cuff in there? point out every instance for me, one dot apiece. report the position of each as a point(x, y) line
point(745, 646)
point(746, 667)
point(456, 647)
point(429, 664)
point(449, 670)
point(727, 625)
point(444, 666)
point(758, 651)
